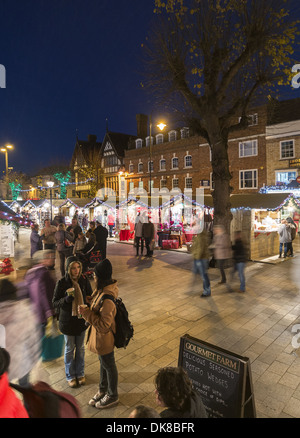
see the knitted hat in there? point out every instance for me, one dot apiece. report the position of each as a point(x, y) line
point(8, 290)
point(103, 269)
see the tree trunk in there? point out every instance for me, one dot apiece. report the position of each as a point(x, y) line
point(221, 180)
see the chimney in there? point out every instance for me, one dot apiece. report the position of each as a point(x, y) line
point(142, 125)
point(92, 138)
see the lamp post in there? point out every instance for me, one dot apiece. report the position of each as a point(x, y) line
point(50, 184)
point(161, 126)
point(5, 151)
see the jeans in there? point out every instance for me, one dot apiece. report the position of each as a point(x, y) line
point(108, 375)
point(110, 230)
point(240, 267)
point(200, 267)
point(74, 356)
point(284, 245)
point(147, 243)
point(137, 243)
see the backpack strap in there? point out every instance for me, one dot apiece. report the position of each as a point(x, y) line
point(107, 297)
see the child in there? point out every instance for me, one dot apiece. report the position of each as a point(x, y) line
point(80, 242)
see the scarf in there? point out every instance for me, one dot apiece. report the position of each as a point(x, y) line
point(78, 298)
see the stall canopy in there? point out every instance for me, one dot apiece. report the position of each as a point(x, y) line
point(260, 201)
point(7, 214)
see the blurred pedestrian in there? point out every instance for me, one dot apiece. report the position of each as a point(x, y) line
point(100, 336)
point(239, 259)
point(142, 411)
point(174, 391)
point(64, 248)
point(222, 249)
point(138, 234)
point(22, 337)
point(36, 243)
point(200, 254)
point(148, 235)
point(41, 284)
point(101, 234)
point(71, 291)
point(10, 405)
point(85, 221)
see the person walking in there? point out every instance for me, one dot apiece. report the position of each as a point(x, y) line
point(101, 234)
point(22, 335)
point(174, 391)
point(36, 243)
point(100, 336)
point(41, 284)
point(148, 235)
point(239, 258)
point(64, 251)
point(284, 238)
point(222, 249)
point(200, 254)
point(138, 235)
point(70, 291)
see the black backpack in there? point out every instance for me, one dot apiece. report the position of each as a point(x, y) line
point(124, 328)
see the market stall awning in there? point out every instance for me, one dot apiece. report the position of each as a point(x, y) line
point(75, 202)
point(261, 201)
point(7, 214)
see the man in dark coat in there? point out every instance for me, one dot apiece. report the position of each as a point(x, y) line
point(101, 234)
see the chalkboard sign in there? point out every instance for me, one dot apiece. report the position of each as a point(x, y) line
point(222, 378)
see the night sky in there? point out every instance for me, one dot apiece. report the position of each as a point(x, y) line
point(70, 65)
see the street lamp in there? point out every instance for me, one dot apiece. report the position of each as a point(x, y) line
point(5, 151)
point(50, 184)
point(161, 126)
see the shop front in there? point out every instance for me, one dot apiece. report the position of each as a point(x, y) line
point(259, 216)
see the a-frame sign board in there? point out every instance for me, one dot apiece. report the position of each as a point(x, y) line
point(222, 378)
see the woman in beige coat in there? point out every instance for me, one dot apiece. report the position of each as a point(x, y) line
point(100, 337)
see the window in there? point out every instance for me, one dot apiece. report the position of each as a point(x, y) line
point(140, 168)
point(285, 177)
point(185, 133)
point(130, 168)
point(175, 183)
point(162, 164)
point(131, 186)
point(150, 163)
point(138, 143)
point(188, 161)
point(175, 163)
point(148, 140)
point(159, 138)
point(287, 149)
point(248, 179)
point(252, 119)
point(172, 135)
point(248, 148)
point(163, 183)
point(188, 183)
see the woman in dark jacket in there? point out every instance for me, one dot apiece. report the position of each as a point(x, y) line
point(36, 243)
point(71, 324)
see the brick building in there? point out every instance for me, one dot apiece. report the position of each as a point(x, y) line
point(181, 159)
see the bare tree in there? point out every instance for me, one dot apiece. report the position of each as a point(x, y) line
point(214, 59)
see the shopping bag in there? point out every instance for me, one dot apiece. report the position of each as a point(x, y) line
point(52, 348)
